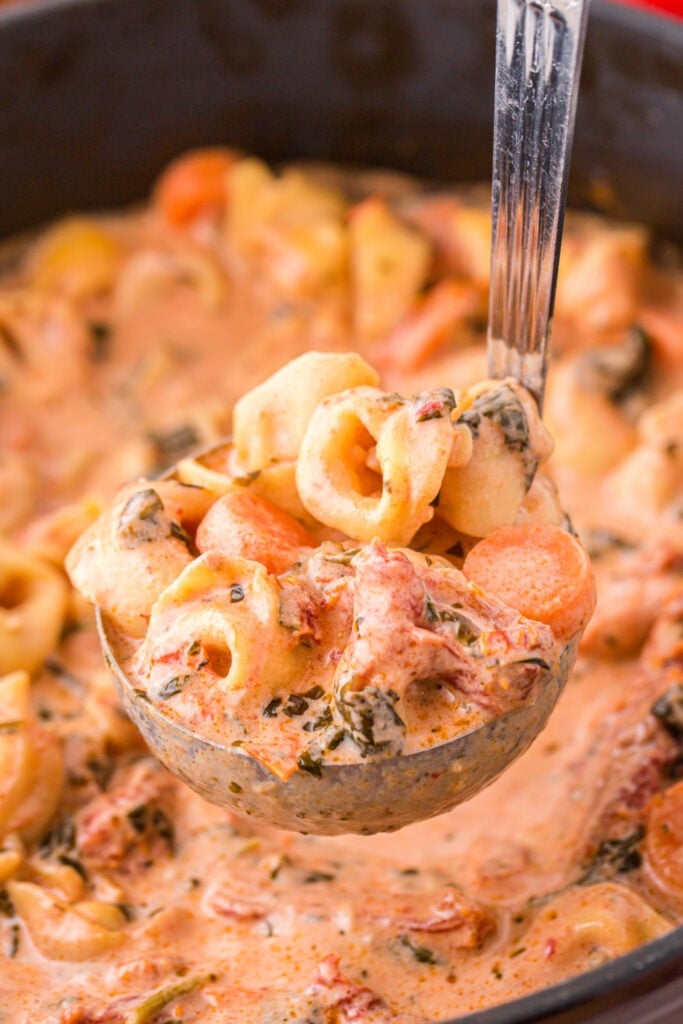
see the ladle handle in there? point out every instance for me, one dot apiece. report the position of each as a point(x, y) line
point(539, 46)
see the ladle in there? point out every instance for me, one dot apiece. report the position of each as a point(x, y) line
point(538, 55)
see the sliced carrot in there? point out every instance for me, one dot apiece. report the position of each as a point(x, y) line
point(246, 526)
point(664, 841)
point(540, 570)
point(424, 330)
point(193, 184)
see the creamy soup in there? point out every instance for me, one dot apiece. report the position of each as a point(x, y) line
point(125, 341)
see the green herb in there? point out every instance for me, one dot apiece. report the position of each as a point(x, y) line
point(141, 519)
point(517, 952)
point(6, 905)
point(148, 819)
point(55, 668)
point(145, 1011)
point(127, 909)
point(614, 856)
point(422, 954)
point(235, 787)
point(194, 648)
point(14, 936)
point(61, 836)
point(71, 862)
point(236, 593)
point(344, 558)
point(100, 337)
point(177, 531)
point(618, 370)
point(295, 706)
point(270, 710)
point(321, 722)
point(434, 405)
point(315, 693)
point(173, 444)
point(669, 710)
point(172, 686)
point(308, 763)
point(370, 719)
point(318, 876)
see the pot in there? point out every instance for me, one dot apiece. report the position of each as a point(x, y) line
point(99, 94)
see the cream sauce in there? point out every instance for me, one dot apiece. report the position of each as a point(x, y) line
point(509, 893)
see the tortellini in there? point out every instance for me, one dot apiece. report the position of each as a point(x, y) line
point(137, 548)
point(31, 763)
point(509, 443)
point(270, 421)
point(371, 464)
point(220, 615)
point(33, 600)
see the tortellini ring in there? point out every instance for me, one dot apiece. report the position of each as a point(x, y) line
point(224, 611)
point(371, 464)
point(33, 602)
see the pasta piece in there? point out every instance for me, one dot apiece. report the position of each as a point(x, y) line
point(33, 597)
point(289, 231)
point(389, 266)
point(585, 927)
point(576, 414)
point(371, 464)
point(222, 614)
point(270, 421)
point(63, 932)
point(19, 489)
point(598, 285)
point(53, 535)
point(650, 480)
point(509, 443)
point(31, 763)
point(78, 258)
point(137, 548)
point(153, 273)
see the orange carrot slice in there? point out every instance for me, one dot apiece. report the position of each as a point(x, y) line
point(540, 570)
point(246, 526)
point(193, 184)
point(664, 842)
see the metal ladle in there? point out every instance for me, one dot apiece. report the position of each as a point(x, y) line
point(538, 55)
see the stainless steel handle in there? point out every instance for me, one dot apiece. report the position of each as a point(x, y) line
point(539, 46)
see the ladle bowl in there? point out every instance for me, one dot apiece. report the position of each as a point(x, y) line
point(372, 795)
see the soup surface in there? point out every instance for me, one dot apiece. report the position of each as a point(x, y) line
point(125, 341)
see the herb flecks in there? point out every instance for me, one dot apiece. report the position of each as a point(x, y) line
point(422, 954)
point(669, 710)
point(614, 857)
point(142, 519)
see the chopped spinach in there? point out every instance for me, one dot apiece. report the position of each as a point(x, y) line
point(141, 520)
point(172, 686)
point(618, 370)
point(296, 705)
point(503, 407)
point(614, 857)
point(370, 719)
point(434, 405)
point(100, 339)
point(183, 536)
point(422, 954)
point(308, 762)
point(171, 445)
point(271, 708)
point(669, 710)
